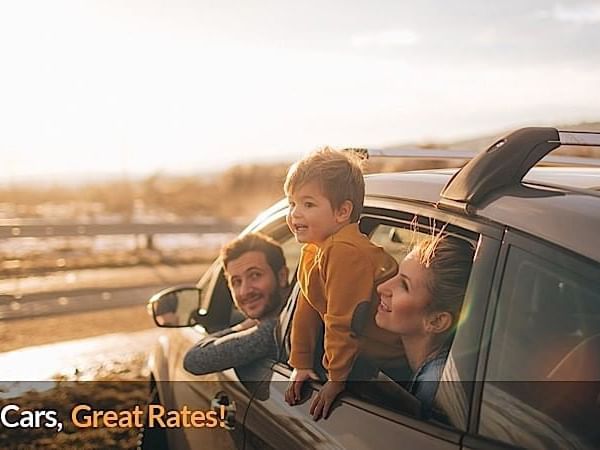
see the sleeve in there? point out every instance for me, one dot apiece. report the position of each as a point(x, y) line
point(349, 280)
point(426, 384)
point(232, 350)
point(211, 338)
point(305, 329)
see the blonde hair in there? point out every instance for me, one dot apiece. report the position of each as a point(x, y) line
point(448, 261)
point(338, 173)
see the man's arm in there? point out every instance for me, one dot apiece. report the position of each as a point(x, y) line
point(233, 350)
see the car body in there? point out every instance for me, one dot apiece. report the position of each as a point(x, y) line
point(524, 367)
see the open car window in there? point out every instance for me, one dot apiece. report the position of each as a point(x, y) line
point(216, 299)
point(397, 237)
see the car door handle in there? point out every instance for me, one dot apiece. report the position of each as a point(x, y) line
point(220, 403)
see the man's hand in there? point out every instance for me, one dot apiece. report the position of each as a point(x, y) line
point(248, 323)
point(294, 390)
point(321, 405)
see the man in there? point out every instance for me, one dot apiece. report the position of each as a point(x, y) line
point(257, 276)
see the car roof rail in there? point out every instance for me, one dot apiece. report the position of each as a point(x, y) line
point(414, 153)
point(506, 162)
point(462, 155)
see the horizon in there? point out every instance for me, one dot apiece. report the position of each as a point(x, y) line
point(102, 88)
point(68, 179)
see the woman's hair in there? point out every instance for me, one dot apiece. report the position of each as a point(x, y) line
point(448, 261)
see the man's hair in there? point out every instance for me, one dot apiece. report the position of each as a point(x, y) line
point(339, 175)
point(254, 242)
point(448, 260)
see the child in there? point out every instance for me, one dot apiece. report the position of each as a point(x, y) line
point(337, 272)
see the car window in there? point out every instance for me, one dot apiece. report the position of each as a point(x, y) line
point(542, 383)
point(398, 239)
point(207, 284)
point(291, 251)
point(216, 298)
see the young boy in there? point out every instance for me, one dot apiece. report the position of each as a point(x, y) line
point(338, 269)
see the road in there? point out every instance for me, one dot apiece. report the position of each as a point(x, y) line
point(89, 290)
point(117, 354)
point(80, 359)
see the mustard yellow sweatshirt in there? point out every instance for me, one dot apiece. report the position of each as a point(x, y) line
point(335, 277)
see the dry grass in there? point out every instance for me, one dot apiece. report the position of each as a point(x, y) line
point(247, 188)
point(116, 391)
point(103, 395)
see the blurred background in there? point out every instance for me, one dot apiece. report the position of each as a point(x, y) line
point(138, 136)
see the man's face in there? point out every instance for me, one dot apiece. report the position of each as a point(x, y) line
point(253, 284)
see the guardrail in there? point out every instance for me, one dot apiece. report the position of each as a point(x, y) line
point(146, 231)
point(16, 229)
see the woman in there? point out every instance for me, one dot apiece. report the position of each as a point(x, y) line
point(422, 304)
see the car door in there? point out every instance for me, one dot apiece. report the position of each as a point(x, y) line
point(233, 387)
point(376, 414)
point(198, 393)
point(541, 366)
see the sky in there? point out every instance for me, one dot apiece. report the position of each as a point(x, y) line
point(134, 87)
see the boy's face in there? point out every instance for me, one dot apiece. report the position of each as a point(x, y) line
point(311, 217)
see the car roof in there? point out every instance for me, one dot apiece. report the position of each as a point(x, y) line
point(558, 204)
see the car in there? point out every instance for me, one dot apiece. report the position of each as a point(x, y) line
point(524, 366)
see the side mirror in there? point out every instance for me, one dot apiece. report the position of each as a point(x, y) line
point(176, 307)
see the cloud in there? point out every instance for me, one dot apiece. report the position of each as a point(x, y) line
point(388, 38)
point(583, 13)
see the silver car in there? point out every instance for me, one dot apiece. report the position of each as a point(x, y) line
point(524, 366)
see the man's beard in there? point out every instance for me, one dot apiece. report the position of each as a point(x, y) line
point(275, 302)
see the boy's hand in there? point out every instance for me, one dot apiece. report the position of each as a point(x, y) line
point(294, 390)
point(321, 404)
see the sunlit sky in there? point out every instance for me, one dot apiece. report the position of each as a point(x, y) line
point(140, 86)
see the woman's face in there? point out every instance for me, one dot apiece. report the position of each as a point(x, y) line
point(403, 299)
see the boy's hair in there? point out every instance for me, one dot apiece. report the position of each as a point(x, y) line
point(338, 173)
point(254, 242)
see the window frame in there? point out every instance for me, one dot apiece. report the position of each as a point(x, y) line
point(394, 212)
point(494, 256)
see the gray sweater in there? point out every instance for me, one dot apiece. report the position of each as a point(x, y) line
point(227, 348)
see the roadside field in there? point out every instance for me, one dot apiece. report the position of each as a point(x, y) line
point(21, 333)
